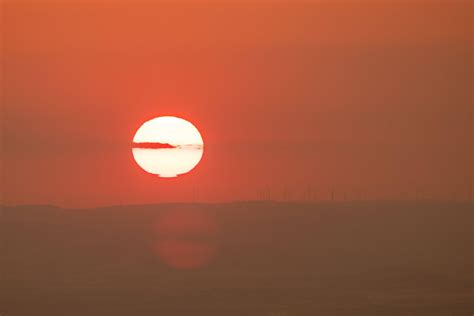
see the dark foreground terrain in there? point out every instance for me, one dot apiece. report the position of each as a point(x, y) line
point(255, 258)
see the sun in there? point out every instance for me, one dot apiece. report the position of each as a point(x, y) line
point(167, 146)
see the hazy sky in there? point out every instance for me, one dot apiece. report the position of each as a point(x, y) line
point(367, 98)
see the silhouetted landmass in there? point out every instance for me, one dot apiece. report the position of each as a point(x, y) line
point(361, 258)
point(153, 145)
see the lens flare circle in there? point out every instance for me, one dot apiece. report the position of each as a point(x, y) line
point(186, 237)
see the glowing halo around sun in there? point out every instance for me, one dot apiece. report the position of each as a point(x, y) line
point(167, 146)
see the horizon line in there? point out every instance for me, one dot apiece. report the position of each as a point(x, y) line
point(250, 201)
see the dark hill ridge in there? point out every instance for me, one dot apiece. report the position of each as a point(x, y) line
point(361, 258)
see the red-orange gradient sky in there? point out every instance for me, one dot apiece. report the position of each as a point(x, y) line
point(368, 98)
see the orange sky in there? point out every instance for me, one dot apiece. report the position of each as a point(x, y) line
point(366, 98)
